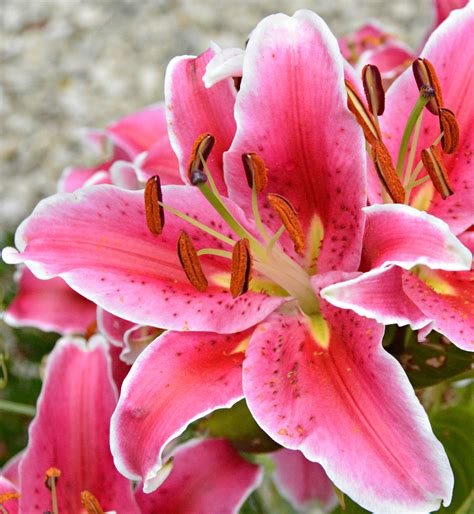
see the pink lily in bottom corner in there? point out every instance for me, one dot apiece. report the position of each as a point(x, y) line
point(67, 466)
point(316, 378)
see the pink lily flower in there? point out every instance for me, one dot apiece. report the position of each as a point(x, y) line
point(314, 376)
point(139, 143)
point(413, 291)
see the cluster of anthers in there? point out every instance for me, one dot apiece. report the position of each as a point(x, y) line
point(431, 158)
point(278, 273)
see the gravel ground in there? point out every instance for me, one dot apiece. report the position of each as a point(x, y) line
point(67, 64)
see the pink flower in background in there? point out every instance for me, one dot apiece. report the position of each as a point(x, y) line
point(314, 376)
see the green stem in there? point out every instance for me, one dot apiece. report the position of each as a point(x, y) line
point(414, 144)
point(415, 113)
point(215, 251)
point(198, 224)
point(17, 408)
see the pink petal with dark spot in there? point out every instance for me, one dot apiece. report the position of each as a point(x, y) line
point(351, 408)
point(177, 379)
point(97, 240)
point(192, 110)
point(292, 111)
point(452, 313)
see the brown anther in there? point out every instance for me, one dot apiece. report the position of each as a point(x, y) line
point(11, 495)
point(386, 172)
point(91, 329)
point(373, 88)
point(241, 268)
point(289, 218)
point(255, 169)
point(449, 127)
point(189, 260)
point(363, 116)
point(425, 76)
point(90, 503)
point(201, 148)
point(155, 216)
point(237, 82)
point(433, 163)
point(52, 474)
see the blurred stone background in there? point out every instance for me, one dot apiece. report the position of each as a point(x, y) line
point(66, 64)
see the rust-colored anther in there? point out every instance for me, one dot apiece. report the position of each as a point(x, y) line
point(255, 168)
point(289, 218)
point(189, 260)
point(91, 329)
point(237, 82)
point(201, 147)
point(90, 503)
point(363, 116)
point(433, 163)
point(241, 268)
point(425, 76)
point(386, 172)
point(450, 128)
point(52, 474)
point(373, 88)
point(11, 495)
point(155, 215)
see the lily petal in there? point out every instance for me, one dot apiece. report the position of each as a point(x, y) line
point(451, 52)
point(448, 299)
point(10, 469)
point(70, 432)
point(226, 63)
point(351, 408)
point(207, 476)
point(292, 111)
point(377, 294)
point(159, 160)
point(75, 178)
point(302, 482)
point(138, 132)
point(49, 305)
point(179, 378)
point(192, 110)
point(97, 240)
point(401, 235)
point(112, 327)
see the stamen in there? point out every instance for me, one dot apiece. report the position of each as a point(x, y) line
point(155, 216)
point(289, 218)
point(386, 172)
point(4, 497)
point(373, 88)
point(241, 268)
point(51, 478)
point(449, 127)
point(201, 149)
point(90, 503)
point(255, 171)
point(433, 164)
point(362, 115)
point(190, 262)
point(314, 243)
point(425, 76)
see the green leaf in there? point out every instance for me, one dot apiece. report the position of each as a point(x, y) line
point(431, 362)
point(454, 428)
